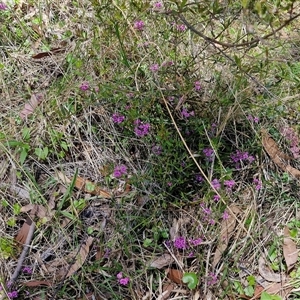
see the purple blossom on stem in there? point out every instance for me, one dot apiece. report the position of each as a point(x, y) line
point(117, 118)
point(213, 279)
point(13, 294)
point(157, 5)
point(229, 184)
point(84, 86)
point(121, 280)
point(154, 68)
point(139, 25)
point(27, 270)
point(209, 153)
point(257, 183)
point(180, 243)
point(119, 171)
point(197, 85)
point(216, 184)
point(240, 156)
point(180, 27)
point(156, 149)
point(195, 242)
point(3, 6)
point(198, 178)
point(141, 129)
point(216, 198)
point(124, 281)
point(186, 114)
point(225, 215)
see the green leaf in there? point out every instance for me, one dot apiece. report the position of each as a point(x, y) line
point(266, 296)
point(249, 291)
point(191, 279)
point(23, 155)
point(147, 242)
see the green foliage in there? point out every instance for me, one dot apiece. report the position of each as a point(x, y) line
point(6, 247)
point(191, 279)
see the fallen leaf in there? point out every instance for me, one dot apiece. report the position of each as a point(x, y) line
point(36, 210)
point(81, 257)
point(167, 290)
point(29, 107)
point(279, 289)
point(278, 157)
point(290, 251)
point(161, 261)
point(85, 185)
point(48, 53)
point(175, 275)
point(23, 232)
point(227, 229)
point(35, 283)
point(268, 274)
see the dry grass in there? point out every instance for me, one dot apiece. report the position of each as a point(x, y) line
point(71, 132)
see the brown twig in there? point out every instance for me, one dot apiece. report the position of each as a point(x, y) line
point(230, 45)
point(23, 254)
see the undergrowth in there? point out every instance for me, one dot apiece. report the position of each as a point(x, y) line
point(135, 147)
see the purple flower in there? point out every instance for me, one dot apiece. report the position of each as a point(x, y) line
point(139, 25)
point(198, 178)
point(216, 184)
point(217, 198)
point(197, 85)
point(27, 270)
point(196, 242)
point(156, 150)
point(118, 118)
point(13, 294)
point(180, 27)
point(240, 156)
point(119, 171)
point(213, 279)
point(141, 129)
point(3, 6)
point(206, 210)
point(186, 114)
point(154, 68)
point(209, 153)
point(84, 86)
point(157, 5)
point(229, 184)
point(121, 280)
point(257, 183)
point(180, 243)
point(225, 215)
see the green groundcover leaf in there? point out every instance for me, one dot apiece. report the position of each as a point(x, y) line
point(191, 279)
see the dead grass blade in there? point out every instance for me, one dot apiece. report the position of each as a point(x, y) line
point(278, 157)
point(290, 251)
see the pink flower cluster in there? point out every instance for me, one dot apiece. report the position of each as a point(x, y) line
point(293, 139)
point(141, 129)
point(119, 171)
point(122, 280)
point(117, 118)
point(182, 243)
point(239, 156)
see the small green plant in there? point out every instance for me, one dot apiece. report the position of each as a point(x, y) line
point(6, 247)
point(191, 279)
point(266, 296)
